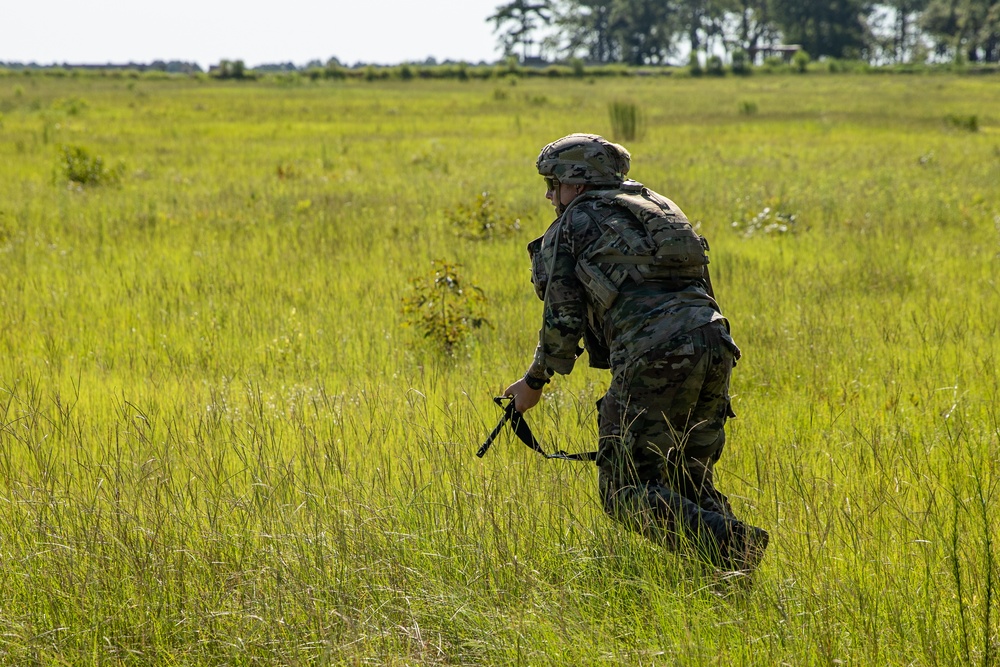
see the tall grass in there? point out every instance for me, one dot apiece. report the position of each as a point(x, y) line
point(626, 120)
point(219, 443)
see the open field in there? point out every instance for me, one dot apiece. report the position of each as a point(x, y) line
point(221, 444)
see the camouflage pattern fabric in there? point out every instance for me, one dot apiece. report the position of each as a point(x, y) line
point(642, 319)
point(662, 427)
point(662, 421)
point(584, 158)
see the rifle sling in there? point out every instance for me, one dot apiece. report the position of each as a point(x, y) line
point(524, 434)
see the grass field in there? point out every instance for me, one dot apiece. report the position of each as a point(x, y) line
point(220, 442)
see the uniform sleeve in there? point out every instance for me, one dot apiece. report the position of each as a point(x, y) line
point(565, 310)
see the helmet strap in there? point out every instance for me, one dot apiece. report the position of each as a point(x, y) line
point(557, 196)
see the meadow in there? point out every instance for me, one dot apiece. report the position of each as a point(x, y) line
point(222, 441)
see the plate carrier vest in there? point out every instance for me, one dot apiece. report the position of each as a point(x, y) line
point(663, 247)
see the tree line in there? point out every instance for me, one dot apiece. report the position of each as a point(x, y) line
point(654, 32)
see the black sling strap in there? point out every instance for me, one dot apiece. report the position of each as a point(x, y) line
point(524, 434)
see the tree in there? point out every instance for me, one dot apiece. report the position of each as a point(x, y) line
point(906, 13)
point(751, 24)
point(519, 20)
point(941, 22)
point(585, 26)
point(833, 28)
point(970, 28)
point(637, 32)
point(702, 21)
point(989, 36)
point(231, 69)
point(644, 30)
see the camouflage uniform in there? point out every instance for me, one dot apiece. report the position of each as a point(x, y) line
point(662, 420)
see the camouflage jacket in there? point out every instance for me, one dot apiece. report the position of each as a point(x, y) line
point(644, 318)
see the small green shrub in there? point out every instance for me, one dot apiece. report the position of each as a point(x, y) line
point(484, 219)
point(444, 307)
point(694, 65)
point(968, 123)
point(800, 61)
point(774, 64)
point(334, 71)
point(748, 108)
point(83, 169)
point(836, 66)
point(741, 63)
point(715, 66)
point(510, 66)
point(72, 106)
point(627, 123)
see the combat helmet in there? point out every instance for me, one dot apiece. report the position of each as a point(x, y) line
point(584, 159)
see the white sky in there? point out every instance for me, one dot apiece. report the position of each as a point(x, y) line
point(255, 31)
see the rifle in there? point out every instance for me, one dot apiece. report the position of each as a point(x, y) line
point(524, 434)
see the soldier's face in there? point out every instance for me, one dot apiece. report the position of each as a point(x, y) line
point(567, 193)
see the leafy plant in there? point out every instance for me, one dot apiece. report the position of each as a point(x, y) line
point(774, 64)
point(72, 106)
point(694, 65)
point(444, 307)
point(715, 67)
point(741, 62)
point(968, 123)
point(800, 61)
point(484, 219)
point(82, 168)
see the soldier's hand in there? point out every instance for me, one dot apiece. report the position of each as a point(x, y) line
point(525, 397)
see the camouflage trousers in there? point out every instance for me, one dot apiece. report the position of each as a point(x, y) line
point(662, 427)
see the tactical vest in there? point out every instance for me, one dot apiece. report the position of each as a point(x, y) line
point(662, 247)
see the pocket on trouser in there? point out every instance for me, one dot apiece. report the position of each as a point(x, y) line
point(705, 443)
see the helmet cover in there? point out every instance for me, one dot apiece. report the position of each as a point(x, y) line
point(579, 159)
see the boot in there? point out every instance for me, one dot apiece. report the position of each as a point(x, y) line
point(744, 549)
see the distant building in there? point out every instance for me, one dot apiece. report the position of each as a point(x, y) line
point(786, 51)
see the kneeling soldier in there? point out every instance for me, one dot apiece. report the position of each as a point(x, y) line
point(622, 269)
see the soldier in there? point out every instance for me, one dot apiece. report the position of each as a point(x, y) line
point(622, 269)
